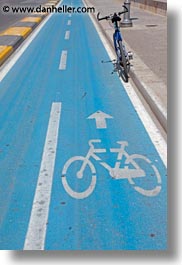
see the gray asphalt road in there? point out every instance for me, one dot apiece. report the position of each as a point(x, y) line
point(6, 19)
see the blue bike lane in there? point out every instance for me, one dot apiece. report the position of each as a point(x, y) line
point(68, 71)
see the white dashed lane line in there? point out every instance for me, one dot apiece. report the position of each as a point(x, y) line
point(67, 35)
point(63, 60)
point(69, 22)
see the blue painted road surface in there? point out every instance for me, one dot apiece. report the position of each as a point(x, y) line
point(78, 169)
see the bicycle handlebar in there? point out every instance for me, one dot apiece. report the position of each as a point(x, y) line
point(111, 16)
point(126, 10)
point(98, 18)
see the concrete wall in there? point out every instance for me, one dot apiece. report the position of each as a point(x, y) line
point(155, 6)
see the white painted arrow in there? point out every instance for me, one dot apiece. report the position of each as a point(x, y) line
point(100, 118)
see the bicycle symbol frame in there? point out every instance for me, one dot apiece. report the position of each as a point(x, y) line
point(117, 172)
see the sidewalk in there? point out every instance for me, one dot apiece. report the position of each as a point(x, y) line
point(147, 39)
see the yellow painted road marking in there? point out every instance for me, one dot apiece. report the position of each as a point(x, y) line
point(53, 2)
point(31, 19)
point(5, 51)
point(49, 4)
point(17, 31)
point(40, 13)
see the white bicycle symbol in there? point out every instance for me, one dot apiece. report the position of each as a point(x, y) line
point(131, 174)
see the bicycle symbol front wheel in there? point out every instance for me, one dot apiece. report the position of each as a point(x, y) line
point(72, 166)
point(150, 185)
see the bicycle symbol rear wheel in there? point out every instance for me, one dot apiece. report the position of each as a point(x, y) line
point(67, 184)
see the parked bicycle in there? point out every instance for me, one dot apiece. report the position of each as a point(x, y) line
point(122, 62)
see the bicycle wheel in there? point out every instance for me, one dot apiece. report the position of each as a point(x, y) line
point(123, 63)
point(148, 184)
point(71, 169)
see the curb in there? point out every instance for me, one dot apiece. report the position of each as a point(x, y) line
point(5, 51)
point(12, 37)
point(139, 79)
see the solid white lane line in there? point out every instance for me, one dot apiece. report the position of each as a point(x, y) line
point(36, 232)
point(67, 35)
point(69, 22)
point(63, 60)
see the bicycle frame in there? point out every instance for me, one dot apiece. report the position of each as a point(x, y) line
point(117, 36)
point(92, 153)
